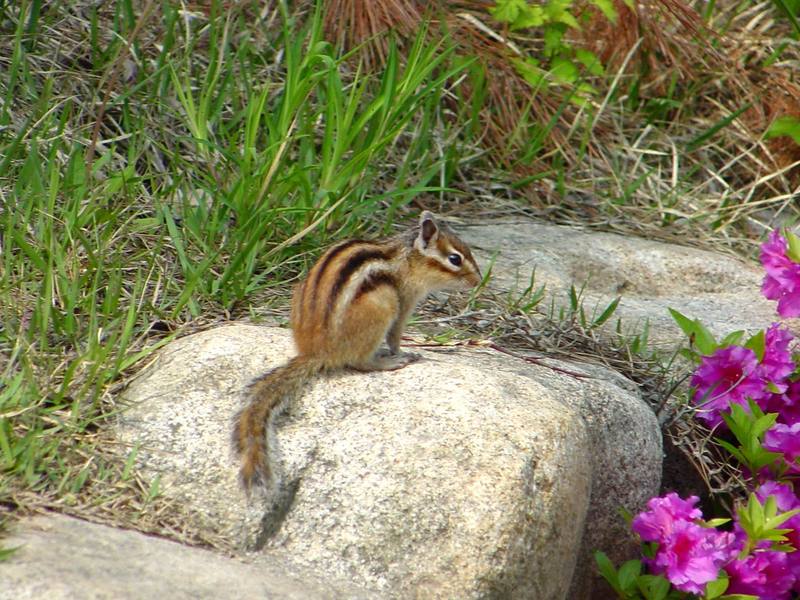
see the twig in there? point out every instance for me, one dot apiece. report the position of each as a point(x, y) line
point(491, 345)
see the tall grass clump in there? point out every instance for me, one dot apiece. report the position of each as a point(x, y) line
point(302, 160)
point(160, 169)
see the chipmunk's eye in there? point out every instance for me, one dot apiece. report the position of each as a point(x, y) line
point(455, 259)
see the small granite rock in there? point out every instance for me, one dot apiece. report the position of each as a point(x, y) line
point(649, 276)
point(62, 558)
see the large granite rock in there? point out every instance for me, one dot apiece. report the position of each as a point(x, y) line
point(61, 558)
point(468, 474)
point(649, 276)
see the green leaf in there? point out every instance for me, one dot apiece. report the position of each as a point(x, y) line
point(770, 506)
point(684, 322)
point(793, 242)
point(757, 344)
point(568, 19)
point(564, 70)
point(607, 8)
point(130, 461)
point(609, 573)
point(581, 93)
point(783, 547)
point(748, 428)
point(760, 522)
point(653, 587)
point(716, 588)
point(532, 16)
point(530, 71)
point(628, 573)
point(776, 520)
point(557, 11)
point(734, 451)
point(6, 553)
point(508, 11)
point(756, 510)
point(791, 11)
point(784, 126)
point(696, 331)
point(606, 314)
point(518, 13)
point(589, 60)
point(552, 39)
point(773, 388)
point(732, 339)
point(761, 423)
point(649, 550)
point(713, 523)
point(154, 491)
point(704, 340)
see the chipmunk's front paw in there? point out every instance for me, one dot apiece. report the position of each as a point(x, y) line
point(386, 361)
point(409, 357)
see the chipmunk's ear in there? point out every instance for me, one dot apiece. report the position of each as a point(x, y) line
point(428, 229)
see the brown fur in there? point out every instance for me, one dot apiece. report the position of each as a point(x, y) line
point(268, 393)
point(357, 295)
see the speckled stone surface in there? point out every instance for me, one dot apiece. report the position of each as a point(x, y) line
point(62, 558)
point(649, 276)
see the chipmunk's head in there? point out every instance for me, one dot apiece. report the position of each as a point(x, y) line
point(446, 261)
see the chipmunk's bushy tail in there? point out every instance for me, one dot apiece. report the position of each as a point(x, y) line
point(268, 394)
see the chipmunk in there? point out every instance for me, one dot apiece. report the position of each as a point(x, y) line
point(355, 296)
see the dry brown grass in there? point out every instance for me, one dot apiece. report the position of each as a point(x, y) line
point(725, 191)
point(354, 23)
point(657, 36)
point(638, 35)
point(741, 185)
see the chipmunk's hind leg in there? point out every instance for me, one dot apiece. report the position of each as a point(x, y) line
point(366, 325)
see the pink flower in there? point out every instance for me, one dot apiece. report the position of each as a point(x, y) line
point(786, 440)
point(766, 574)
point(785, 498)
point(656, 524)
point(693, 555)
point(789, 411)
point(782, 281)
point(773, 252)
point(729, 375)
point(787, 404)
point(777, 364)
point(688, 555)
